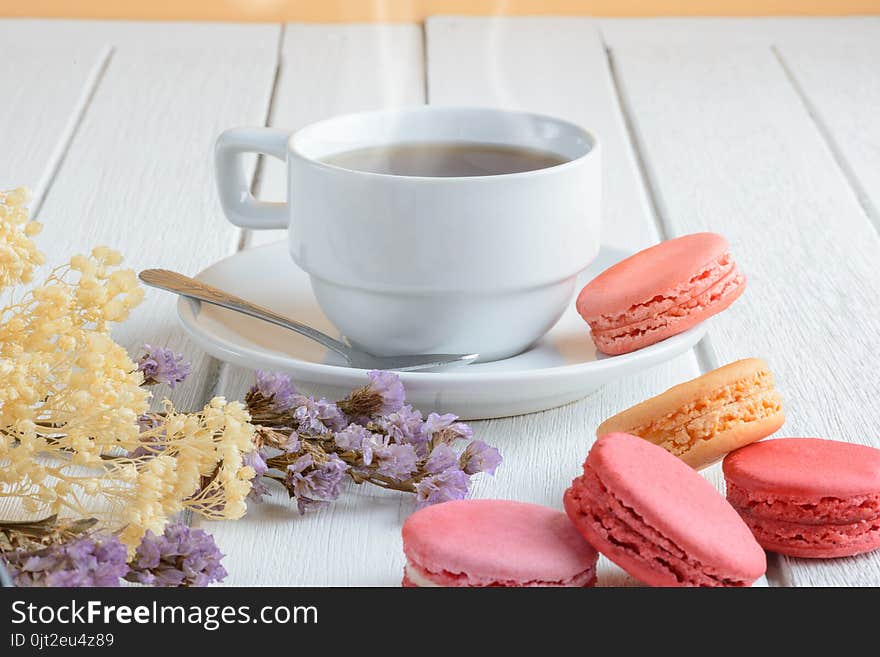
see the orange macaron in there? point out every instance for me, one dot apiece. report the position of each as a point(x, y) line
point(701, 420)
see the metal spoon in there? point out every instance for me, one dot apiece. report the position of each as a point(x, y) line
point(193, 289)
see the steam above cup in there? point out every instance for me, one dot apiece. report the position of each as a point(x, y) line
point(409, 264)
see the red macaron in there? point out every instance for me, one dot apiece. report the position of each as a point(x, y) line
point(808, 497)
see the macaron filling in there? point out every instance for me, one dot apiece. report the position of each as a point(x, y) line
point(414, 577)
point(750, 399)
point(417, 576)
point(622, 527)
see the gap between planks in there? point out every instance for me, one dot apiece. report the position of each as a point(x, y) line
point(221, 368)
point(825, 134)
point(244, 234)
point(68, 134)
point(256, 181)
point(217, 384)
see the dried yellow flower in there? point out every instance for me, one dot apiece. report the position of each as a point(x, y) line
point(18, 254)
point(190, 461)
point(71, 399)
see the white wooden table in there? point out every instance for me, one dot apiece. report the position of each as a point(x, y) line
point(767, 131)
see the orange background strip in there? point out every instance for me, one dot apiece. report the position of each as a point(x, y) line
point(416, 10)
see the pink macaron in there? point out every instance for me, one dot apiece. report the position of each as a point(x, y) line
point(808, 497)
point(479, 543)
point(658, 519)
point(660, 292)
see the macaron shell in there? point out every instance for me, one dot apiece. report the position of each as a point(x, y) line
point(707, 417)
point(805, 468)
point(677, 503)
point(497, 541)
point(669, 266)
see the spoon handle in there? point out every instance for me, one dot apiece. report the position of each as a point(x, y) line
point(193, 289)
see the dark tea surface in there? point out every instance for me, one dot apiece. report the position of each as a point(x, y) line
point(445, 159)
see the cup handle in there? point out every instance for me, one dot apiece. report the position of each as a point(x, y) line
point(240, 206)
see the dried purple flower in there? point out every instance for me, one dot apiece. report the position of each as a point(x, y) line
point(480, 457)
point(388, 386)
point(310, 482)
point(371, 436)
point(84, 561)
point(357, 438)
point(293, 444)
point(451, 484)
point(259, 490)
point(436, 422)
point(405, 426)
point(148, 422)
point(181, 556)
point(352, 437)
point(446, 429)
point(326, 478)
point(256, 460)
point(441, 458)
point(275, 388)
point(396, 460)
point(317, 416)
point(384, 394)
point(161, 365)
point(149, 446)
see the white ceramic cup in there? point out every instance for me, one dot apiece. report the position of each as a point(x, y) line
point(411, 264)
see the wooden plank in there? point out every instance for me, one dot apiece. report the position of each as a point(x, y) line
point(730, 146)
point(134, 35)
point(840, 86)
point(37, 120)
point(707, 31)
point(556, 66)
point(325, 70)
point(137, 175)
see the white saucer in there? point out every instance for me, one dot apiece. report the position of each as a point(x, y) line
point(562, 367)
